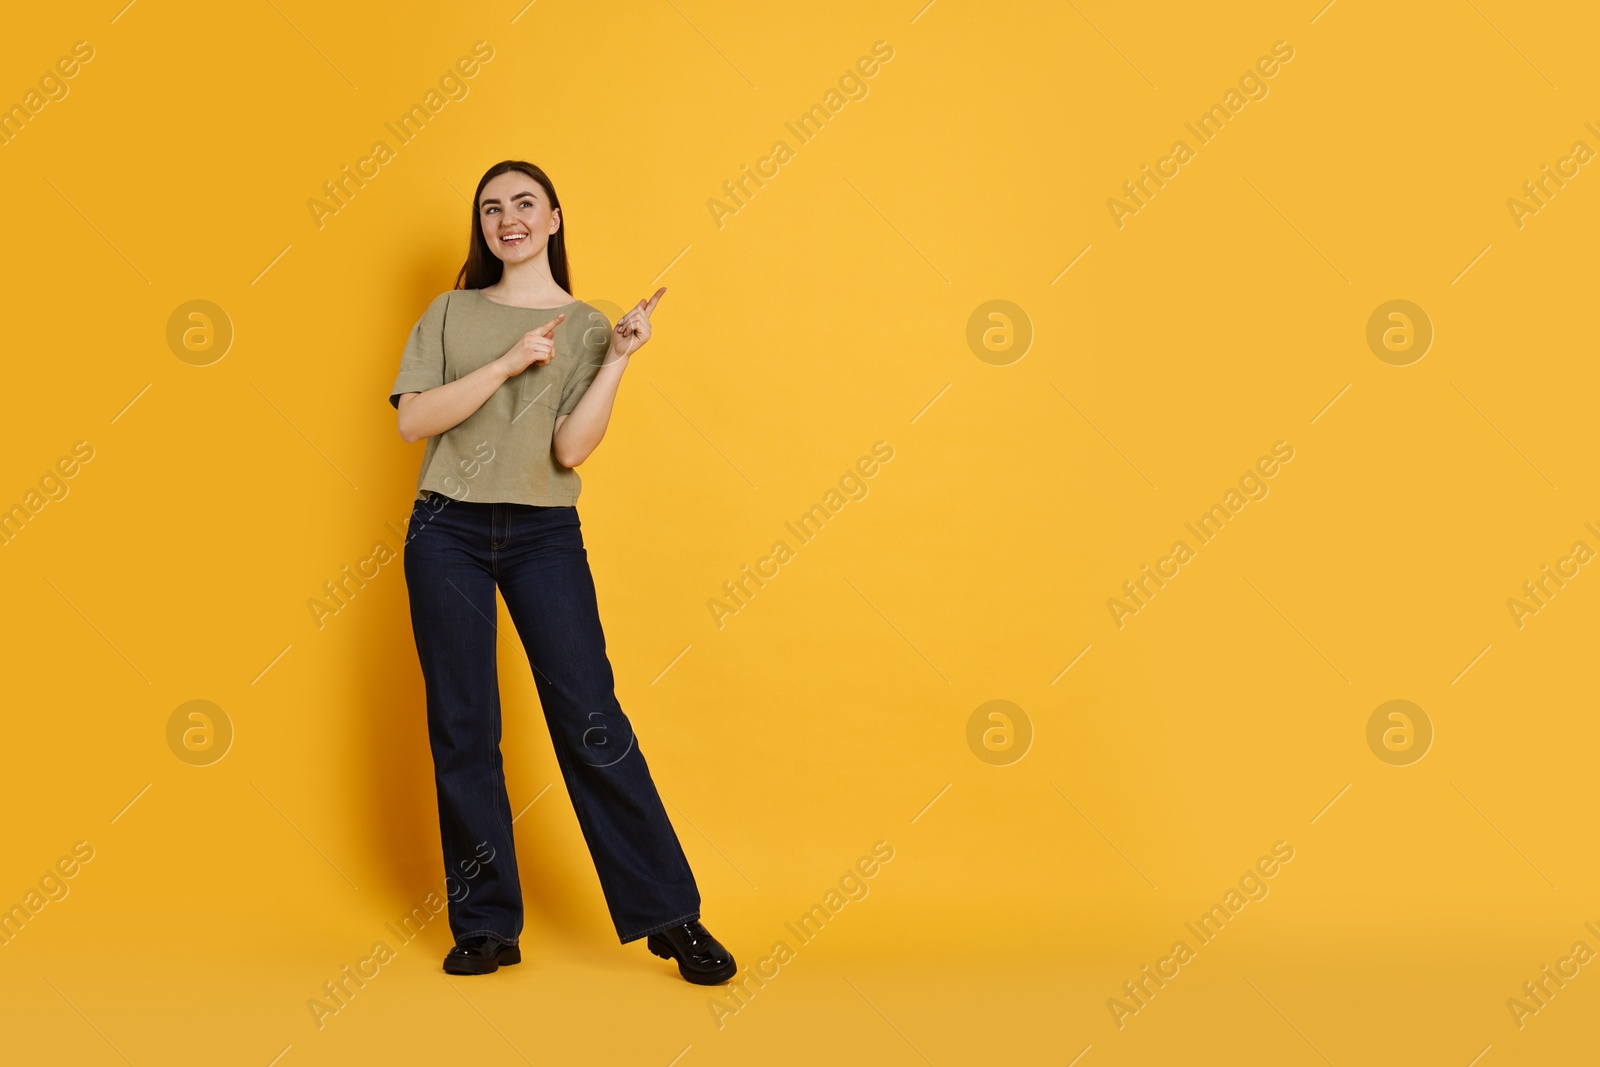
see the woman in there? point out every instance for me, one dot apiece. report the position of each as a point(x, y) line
point(511, 381)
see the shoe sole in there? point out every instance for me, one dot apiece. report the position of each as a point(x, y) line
point(662, 947)
point(507, 956)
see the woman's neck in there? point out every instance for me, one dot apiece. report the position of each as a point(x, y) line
point(529, 283)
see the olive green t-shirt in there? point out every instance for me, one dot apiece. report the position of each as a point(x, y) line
point(504, 451)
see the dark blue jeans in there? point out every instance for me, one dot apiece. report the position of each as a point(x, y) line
point(457, 552)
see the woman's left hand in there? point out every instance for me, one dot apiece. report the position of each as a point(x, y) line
point(633, 329)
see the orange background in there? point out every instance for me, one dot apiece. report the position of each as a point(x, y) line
point(835, 308)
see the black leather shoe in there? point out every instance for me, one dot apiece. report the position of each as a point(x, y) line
point(481, 954)
point(701, 957)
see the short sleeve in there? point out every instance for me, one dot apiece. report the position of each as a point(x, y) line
point(593, 345)
point(422, 362)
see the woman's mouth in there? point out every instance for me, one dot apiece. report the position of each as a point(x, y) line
point(512, 239)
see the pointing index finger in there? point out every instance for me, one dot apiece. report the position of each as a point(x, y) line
point(654, 300)
point(549, 328)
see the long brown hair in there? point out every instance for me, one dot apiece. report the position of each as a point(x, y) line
point(483, 267)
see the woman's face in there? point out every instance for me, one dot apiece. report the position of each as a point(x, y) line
point(516, 216)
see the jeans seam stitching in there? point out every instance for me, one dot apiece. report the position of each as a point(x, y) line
point(493, 751)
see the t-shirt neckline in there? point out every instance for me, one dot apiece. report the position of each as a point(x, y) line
point(521, 307)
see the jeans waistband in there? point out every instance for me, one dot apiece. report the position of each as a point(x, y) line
point(437, 501)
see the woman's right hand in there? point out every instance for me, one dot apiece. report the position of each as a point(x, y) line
point(537, 346)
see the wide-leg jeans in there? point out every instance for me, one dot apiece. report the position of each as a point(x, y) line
point(457, 553)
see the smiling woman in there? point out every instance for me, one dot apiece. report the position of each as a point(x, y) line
point(520, 536)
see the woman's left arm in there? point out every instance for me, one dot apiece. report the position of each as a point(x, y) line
point(578, 433)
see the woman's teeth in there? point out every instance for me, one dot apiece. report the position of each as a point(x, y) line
point(512, 238)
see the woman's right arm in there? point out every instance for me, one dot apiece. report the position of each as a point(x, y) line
point(433, 411)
